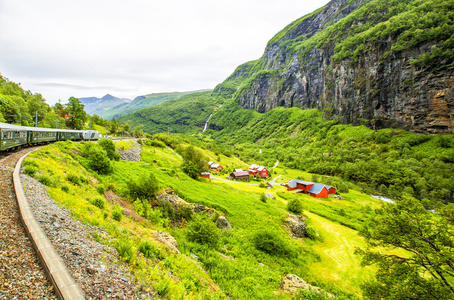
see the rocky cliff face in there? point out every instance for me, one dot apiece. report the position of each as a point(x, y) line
point(378, 87)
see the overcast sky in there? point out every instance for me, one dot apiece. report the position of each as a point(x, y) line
point(85, 48)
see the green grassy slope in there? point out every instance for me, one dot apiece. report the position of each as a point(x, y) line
point(186, 114)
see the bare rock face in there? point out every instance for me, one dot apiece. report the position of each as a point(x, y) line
point(379, 88)
point(223, 223)
point(296, 226)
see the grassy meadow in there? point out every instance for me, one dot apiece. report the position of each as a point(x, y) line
point(236, 266)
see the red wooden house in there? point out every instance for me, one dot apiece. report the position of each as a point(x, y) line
point(260, 170)
point(316, 190)
point(205, 175)
point(214, 166)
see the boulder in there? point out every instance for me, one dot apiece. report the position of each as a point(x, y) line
point(168, 240)
point(271, 196)
point(291, 283)
point(222, 223)
point(296, 226)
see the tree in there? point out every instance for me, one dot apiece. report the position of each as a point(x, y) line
point(138, 131)
point(194, 162)
point(426, 270)
point(76, 114)
point(98, 160)
point(109, 146)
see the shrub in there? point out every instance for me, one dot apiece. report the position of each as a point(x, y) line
point(101, 189)
point(263, 197)
point(203, 231)
point(272, 243)
point(74, 179)
point(310, 233)
point(262, 185)
point(145, 188)
point(98, 160)
point(149, 250)
point(125, 249)
point(65, 188)
point(99, 202)
point(83, 179)
point(295, 206)
point(109, 146)
point(117, 213)
point(46, 180)
point(30, 170)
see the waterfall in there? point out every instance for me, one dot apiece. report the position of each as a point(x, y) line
point(206, 124)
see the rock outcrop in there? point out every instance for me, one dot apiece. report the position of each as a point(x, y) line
point(378, 87)
point(291, 283)
point(295, 225)
point(223, 223)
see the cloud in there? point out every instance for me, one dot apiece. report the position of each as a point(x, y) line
point(76, 47)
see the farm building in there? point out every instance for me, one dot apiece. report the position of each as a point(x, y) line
point(215, 166)
point(241, 175)
point(260, 170)
point(205, 175)
point(316, 190)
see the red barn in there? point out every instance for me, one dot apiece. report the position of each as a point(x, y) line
point(298, 184)
point(216, 167)
point(205, 175)
point(253, 169)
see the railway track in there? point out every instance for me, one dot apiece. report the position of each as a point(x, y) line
point(21, 275)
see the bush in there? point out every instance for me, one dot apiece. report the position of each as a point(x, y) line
point(143, 189)
point(109, 146)
point(30, 170)
point(74, 179)
point(117, 213)
point(295, 206)
point(203, 231)
point(83, 179)
point(98, 160)
point(99, 202)
point(263, 197)
point(46, 180)
point(125, 249)
point(310, 233)
point(65, 188)
point(149, 250)
point(101, 189)
point(272, 243)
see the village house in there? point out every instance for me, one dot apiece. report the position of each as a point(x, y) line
point(214, 166)
point(313, 189)
point(260, 170)
point(239, 174)
point(205, 174)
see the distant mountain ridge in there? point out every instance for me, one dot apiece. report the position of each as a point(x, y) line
point(109, 107)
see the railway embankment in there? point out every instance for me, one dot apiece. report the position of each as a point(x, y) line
point(21, 274)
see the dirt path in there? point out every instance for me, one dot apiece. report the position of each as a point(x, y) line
point(21, 275)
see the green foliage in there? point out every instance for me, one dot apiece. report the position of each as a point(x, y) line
point(295, 206)
point(144, 188)
point(101, 189)
point(117, 212)
point(203, 231)
point(426, 269)
point(125, 248)
point(273, 244)
point(109, 146)
point(99, 202)
point(194, 162)
point(46, 180)
point(30, 170)
point(65, 188)
point(76, 114)
point(74, 179)
point(263, 197)
point(149, 250)
point(98, 160)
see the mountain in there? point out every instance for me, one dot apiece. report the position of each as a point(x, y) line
point(109, 107)
point(141, 102)
point(98, 106)
point(381, 63)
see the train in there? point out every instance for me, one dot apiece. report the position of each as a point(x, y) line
point(13, 137)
